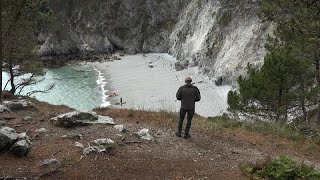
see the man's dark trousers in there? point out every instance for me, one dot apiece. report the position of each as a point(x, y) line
point(183, 113)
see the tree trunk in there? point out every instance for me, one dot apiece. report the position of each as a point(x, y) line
point(279, 104)
point(13, 88)
point(317, 63)
point(1, 60)
point(303, 105)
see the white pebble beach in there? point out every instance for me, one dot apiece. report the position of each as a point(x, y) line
point(144, 88)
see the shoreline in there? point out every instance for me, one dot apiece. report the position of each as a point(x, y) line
point(101, 82)
point(153, 89)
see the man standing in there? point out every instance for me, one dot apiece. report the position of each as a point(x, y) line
point(188, 95)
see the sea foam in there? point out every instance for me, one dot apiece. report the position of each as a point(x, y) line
point(101, 81)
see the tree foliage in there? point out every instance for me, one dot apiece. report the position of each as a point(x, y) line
point(22, 21)
point(289, 80)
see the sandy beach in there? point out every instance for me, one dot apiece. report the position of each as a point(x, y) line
point(145, 88)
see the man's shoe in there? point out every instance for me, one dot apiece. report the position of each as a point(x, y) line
point(186, 136)
point(178, 134)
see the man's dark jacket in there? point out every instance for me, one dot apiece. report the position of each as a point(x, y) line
point(188, 95)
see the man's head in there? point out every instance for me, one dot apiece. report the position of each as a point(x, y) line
point(188, 80)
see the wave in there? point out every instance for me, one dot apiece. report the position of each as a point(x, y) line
point(101, 81)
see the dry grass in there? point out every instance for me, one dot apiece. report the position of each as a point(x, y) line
point(206, 131)
point(270, 136)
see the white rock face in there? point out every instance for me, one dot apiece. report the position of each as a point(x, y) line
point(220, 37)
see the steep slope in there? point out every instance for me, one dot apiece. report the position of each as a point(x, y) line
point(104, 26)
point(220, 37)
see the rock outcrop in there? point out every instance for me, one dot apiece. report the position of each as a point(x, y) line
point(22, 146)
point(7, 138)
point(18, 144)
point(15, 105)
point(220, 37)
point(77, 118)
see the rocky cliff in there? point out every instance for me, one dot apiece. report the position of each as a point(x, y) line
point(220, 37)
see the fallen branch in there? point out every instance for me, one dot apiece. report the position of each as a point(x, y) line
point(60, 150)
point(132, 142)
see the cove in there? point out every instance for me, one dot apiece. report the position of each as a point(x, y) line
point(78, 87)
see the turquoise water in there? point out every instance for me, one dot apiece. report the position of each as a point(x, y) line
point(74, 86)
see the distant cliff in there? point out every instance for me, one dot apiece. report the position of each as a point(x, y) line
point(220, 37)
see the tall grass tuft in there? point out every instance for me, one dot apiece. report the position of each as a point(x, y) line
point(281, 168)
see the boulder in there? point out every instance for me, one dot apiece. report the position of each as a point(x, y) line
point(17, 104)
point(78, 118)
point(179, 66)
point(18, 144)
point(22, 146)
point(8, 137)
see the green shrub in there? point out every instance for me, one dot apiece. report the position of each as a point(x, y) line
point(131, 113)
point(281, 168)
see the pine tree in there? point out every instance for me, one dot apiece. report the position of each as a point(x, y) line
point(290, 77)
point(298, 24)
point(274, 90)
point(21, 21)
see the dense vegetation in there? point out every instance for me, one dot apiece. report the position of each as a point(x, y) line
point(281, 168)
point(21, 23)
point(287, 85)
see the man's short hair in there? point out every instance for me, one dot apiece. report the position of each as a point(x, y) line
point(188, 80)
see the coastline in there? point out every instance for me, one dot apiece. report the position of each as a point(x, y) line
point(154, 89)
point(101, 82)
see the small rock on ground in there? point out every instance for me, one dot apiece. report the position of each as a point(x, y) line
point(49, 162)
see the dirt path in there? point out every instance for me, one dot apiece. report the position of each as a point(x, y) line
point(203, 156)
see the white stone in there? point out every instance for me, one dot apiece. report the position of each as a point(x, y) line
point(120, 128)
point(42, 130)
point(103, 141)
point(144, 134)
point(79, 145)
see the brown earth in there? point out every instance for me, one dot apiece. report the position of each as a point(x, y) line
point(207, 154)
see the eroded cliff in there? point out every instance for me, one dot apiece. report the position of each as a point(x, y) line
point(220, 37)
